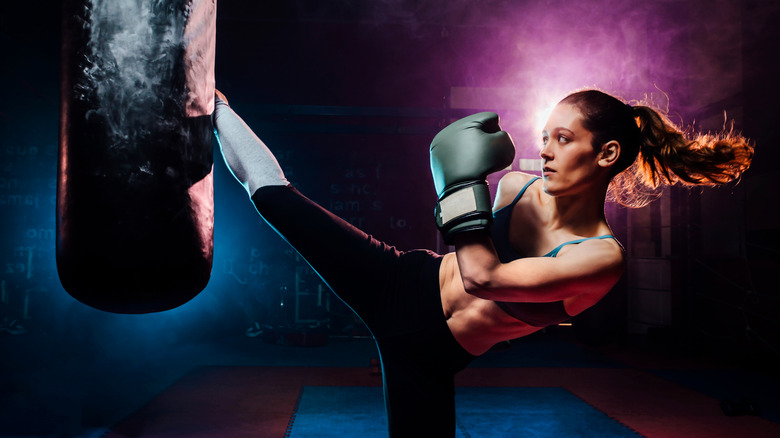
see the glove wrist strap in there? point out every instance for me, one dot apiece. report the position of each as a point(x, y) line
point(462, 202)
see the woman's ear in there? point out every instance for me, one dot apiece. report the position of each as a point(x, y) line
point(610, 152)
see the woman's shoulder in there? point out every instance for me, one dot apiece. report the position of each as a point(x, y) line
point(510, 185)
point(513, 182)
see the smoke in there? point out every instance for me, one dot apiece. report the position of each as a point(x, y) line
point(536, 52)
point(131, 67)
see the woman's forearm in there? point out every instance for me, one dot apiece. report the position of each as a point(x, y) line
point(589, 268)
point(477, 261)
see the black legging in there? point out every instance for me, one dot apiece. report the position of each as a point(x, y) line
point(397, 296)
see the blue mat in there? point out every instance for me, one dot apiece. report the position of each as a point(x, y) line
point(344, 412)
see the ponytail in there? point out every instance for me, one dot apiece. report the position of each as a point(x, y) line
point(668, 156)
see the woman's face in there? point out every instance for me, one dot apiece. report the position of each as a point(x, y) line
point(570, 163)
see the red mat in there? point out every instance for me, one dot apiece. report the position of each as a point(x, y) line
point(259, 401)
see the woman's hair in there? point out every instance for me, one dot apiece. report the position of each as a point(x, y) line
point(654, 152)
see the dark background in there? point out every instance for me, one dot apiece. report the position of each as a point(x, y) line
point(348, 94)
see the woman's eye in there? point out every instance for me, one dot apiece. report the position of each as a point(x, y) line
point(545, 139)
point(563, 139)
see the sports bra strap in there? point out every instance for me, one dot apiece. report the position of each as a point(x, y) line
point(555, 251)
point(520, 194)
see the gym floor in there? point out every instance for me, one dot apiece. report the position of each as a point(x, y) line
point(650, 387)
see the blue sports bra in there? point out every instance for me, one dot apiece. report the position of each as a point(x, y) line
point(535, 314)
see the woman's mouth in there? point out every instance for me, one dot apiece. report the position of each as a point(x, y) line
point(546, 171)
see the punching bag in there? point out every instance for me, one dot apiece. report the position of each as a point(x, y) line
point(135, 204)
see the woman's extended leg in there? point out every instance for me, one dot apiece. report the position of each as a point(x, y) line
point(351, 262)
point(357, 267)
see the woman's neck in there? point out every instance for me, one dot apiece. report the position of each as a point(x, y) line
point(580, 214)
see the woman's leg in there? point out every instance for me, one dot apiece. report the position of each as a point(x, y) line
point(357, 267)
point(419, 363)
point(395, 293)
point(419, 382)
point(351, 262)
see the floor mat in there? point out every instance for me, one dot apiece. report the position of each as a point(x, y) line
point(338, 412)
point(273, 402)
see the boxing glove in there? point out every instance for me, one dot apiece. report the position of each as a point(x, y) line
point(462, 155)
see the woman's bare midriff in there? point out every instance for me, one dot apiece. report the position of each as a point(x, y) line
point(476, 324)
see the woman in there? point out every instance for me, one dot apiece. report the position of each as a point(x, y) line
point(549, 255)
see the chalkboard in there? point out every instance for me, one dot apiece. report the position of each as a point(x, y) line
point(27, 201)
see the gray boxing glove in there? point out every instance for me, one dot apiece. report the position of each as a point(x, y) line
point(462, 156)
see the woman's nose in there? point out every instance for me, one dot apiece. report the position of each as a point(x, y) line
point(544, 152)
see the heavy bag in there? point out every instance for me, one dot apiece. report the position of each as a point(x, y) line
point(135, 204)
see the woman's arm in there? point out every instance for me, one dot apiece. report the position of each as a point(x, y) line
point(591, 267)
